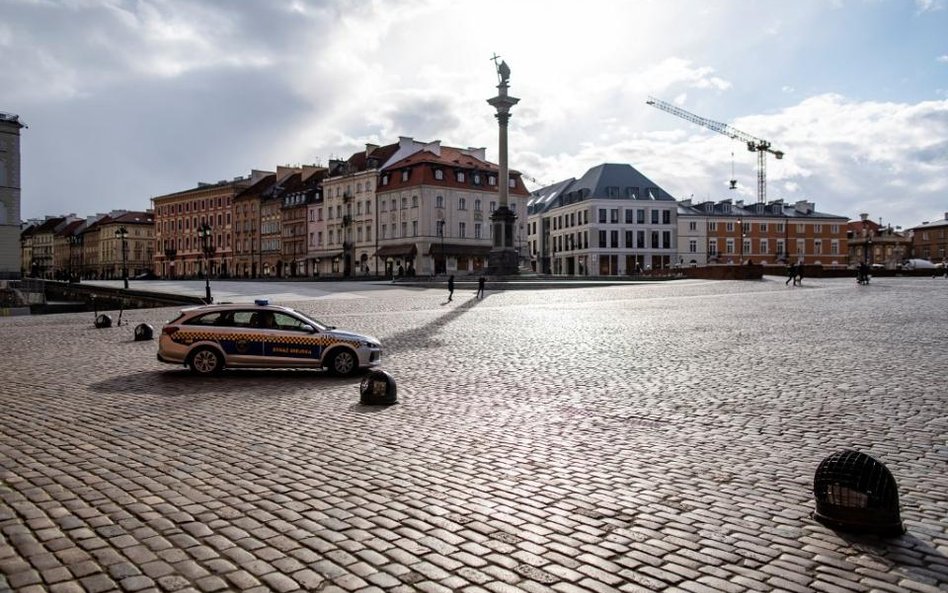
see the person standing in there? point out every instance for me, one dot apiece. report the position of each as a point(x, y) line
point(480, 287)
point(450, 287)
point(791, 274)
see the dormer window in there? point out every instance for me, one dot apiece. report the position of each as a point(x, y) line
point(477, 179)
point(405, 174)
point(384, 179)
point(438, 174)
point(511, 182)
point(491, 180)
point(460, 176)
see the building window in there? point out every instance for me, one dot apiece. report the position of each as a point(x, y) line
point(614, 214)
point(781, 247)
point(729, 227)
point(614, 237)
point(801, 246)
point(404, 203)
point(655, 244)
point(385, 231)
point(385, 179)
point(729, 246)
point(818, 247)
point(491, 180)
point(817, 228)
point(462, 230)
point(477, 205)
point(629, 216)
point(384, 208)
point(405, 174)
point(460, 176)
point(602, 216)
point(629, 239)
point(666, 217)
point(477, 230)
point(394, 206)
point(654, 216)
point(414, 228)
point(834, 229)
point(462, 204)
point(834, 247)
point(692, 246)
point(439, 201)
point(779, 227)
point(693, 225)
point(404, 229)
point(712, 226)
point(439, 174)
point(493, 206)
point(640, 216)
point(602, 237)
point(640, 239)
point(763, 227)
point(764, 247)
point(666, 239)
point(712, 247)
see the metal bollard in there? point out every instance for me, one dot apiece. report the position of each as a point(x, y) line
point(378, 388)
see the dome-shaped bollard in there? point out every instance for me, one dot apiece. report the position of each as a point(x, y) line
point(378, 389)
point(102, 321)
point(143, 332)
point(856, 493)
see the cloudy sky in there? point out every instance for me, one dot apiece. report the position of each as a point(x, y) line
point(129, 99)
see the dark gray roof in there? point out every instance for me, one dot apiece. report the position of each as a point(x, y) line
point(776, 209)
point(607, 181)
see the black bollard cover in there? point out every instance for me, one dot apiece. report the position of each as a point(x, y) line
point(143, 331)
point(854, 492)
point(378, 388)
point(103, 321)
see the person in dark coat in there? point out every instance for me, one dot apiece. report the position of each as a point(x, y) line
point(480, 287)
point(450, 287)
point(791, 274)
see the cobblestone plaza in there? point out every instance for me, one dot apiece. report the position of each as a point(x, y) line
point(652, 437)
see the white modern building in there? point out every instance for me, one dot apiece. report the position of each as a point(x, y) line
point(613, 221)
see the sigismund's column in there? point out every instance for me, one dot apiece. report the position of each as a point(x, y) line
point(503, 259)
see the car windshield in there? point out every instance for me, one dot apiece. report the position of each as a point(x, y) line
point(319, 325)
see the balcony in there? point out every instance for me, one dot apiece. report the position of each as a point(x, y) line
point(347, 220)
point(348, 245)
point(347, 196)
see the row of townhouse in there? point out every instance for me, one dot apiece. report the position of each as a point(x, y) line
point(404, 208)
point(103, 246)
point(422, 208)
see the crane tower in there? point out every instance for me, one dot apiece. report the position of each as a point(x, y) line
point(754, 144)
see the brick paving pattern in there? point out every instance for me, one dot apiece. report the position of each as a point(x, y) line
point(636, 438)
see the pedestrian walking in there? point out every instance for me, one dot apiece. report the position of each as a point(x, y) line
point(480, 287)
point(791, 274)
point(451, 287)
point(798, 279)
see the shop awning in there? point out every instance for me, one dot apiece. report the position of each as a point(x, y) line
point(406, 249)
point(456, 249)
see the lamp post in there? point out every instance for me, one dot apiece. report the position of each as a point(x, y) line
point(204, 232)
point(122, 234)
point(444, 260)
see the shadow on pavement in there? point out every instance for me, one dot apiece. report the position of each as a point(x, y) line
point(182, 383)
point(913, 556)
point(420, 338)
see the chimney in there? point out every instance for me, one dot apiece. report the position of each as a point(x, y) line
point(370, 148)
point(284, 172)
point(864, 216)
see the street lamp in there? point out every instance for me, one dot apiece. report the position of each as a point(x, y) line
point(444, 260)
point(204, 232)
point(122, 233)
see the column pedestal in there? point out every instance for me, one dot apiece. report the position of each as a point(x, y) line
point(503, 259)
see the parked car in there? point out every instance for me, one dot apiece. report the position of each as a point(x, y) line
point(210, 338)
point(145, 276)
point(917, 264)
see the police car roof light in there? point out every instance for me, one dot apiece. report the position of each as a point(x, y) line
point(262, 302)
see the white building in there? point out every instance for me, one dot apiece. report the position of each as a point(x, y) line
point(613, 221)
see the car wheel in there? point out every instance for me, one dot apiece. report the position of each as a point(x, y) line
point(206, 361)
point(343, 362)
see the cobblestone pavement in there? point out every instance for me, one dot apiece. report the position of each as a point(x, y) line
point(637, 438)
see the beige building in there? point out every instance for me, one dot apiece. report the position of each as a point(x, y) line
point(10, 260)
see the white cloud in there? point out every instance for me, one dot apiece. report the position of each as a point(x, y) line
point(943, 59)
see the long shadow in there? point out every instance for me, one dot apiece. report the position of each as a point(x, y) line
point(419, 338)
point(911, 555)
point(182, 383)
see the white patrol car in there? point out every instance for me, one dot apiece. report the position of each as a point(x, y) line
point(211, 337)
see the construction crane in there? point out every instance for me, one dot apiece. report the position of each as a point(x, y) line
point(754, 144)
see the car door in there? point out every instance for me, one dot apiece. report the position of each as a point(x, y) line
point(291, 342)
point(230, 330)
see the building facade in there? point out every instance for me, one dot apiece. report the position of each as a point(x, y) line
point(612, 221)
point(182, 220)
point(10, 245)
point(930, 240)
point(434, 208)
point(774, 233)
